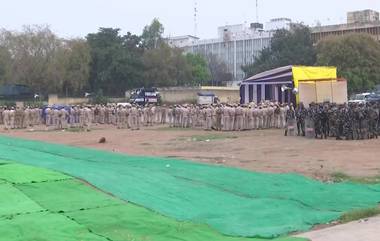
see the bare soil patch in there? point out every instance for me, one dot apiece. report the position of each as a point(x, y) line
point(263, 151)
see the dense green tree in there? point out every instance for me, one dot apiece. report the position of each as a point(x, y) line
point(152, 35)
point(288, 47)
point(199, 69)
point(357, 57)
point(116, 63)
point(165, 66)
point(74, 60)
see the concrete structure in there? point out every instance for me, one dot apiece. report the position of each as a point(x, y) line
point(364, 16)
point(235, 50)
point(366, 21)
point(322, 32)
point(182, 41)
point(236, 45)
point(175, 95)
point(278, 23)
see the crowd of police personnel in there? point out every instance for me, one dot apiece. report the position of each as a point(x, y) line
point(221, 117)
point(348, 121)
point(351, 121)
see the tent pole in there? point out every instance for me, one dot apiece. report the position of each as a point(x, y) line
point(332, 92)
point(316, 92)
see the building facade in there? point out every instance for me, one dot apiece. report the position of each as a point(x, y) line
point(236, 45)
point(235, 52)
point(182, 41)
point(239, 45)
point(366, 21)
point(364, 16)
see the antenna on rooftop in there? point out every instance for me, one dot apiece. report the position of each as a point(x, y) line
point(195, 18)
point(257, 11)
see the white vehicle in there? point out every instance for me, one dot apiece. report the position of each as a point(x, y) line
point(360, 98)
point(207, 99)
point(124, 104)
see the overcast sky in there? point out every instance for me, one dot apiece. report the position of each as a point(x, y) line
point(76, 18)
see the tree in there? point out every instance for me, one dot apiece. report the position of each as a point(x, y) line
point(165, 66)
point(218, 70)
point(32, 54)
point(199, 69)
point(38, 58)
point(5, 61)
point(357, 57)
point(152, 35)
point(116, 63)
point(74, 60)
point(288, 47)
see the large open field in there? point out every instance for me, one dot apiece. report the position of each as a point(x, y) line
point(207, 193)
point(263, 151)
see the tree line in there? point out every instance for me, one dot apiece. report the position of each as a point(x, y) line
point(356, 56)
point(104, 62)
point(108, 63)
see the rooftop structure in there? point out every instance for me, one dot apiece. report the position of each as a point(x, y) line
point(363, 16)
point(182, 41)
point(278, 23)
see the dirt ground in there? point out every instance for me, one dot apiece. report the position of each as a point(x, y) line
point(264, 151)
point(366, 230)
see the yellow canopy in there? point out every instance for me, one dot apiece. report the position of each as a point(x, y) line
point(312, 73)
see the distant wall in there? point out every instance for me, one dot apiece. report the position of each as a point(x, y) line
point(190, 94)
point(225, 94)
point(170, 95)
point(54, 99)
point(179, 95)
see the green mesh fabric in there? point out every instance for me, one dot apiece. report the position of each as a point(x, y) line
point(82, 213)
point(234, 202)
point(16, 173)
point(65, 196)
point(13, 202)
point(130, 222)
point(44, 227)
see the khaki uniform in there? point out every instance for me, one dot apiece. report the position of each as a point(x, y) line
point(239, 119)
point(6, 119)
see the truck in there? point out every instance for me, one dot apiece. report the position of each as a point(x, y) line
point(207, 98)
point(143, 96)
point(16, 92)
point(359, 98)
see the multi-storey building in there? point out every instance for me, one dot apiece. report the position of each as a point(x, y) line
point(366, 21)
point(239, 45)
point(235, 52)
point(364, 16)
point(236, 45)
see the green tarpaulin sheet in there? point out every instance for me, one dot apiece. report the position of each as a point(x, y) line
point(129, 222)
point(65, 196)
point(16, 173)
point(13, 202)
point(234, 202)
point(44, 227)
point(88, 215)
